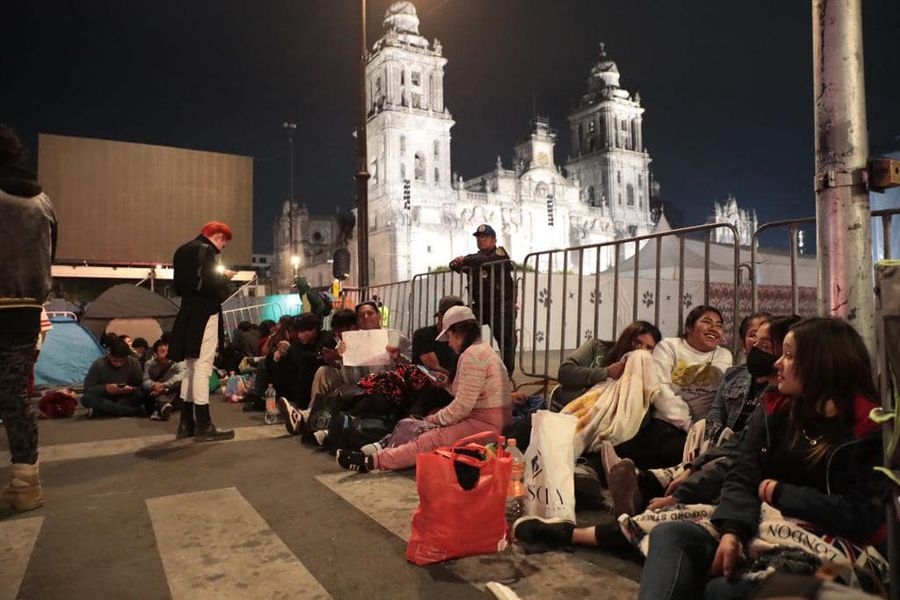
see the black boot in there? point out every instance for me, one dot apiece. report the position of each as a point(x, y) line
point(206, 431)
point(186, 426)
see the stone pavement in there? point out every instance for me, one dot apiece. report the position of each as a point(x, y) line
point(131, 513)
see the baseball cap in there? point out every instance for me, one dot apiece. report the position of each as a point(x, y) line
point(454, 315)
point(485, 229)
point(446, 303)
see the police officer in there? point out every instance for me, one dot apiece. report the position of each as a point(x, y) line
point(492, 290)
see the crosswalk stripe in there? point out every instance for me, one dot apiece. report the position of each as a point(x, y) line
point(101, 448)
point(390, 500)
point(19, 536)
point(214, 545)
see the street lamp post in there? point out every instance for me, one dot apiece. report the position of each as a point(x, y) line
point(362, 168)
point(291, 127)
point(295, 263)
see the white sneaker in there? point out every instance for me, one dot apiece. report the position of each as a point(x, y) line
point(321, 435)
point(372, 448)
point(292, 417)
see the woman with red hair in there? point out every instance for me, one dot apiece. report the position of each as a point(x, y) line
point(198, 326)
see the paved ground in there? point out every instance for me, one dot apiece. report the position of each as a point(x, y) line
point(131, 513)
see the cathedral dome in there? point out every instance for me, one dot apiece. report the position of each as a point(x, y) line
point(401, 17)
point(605, 73)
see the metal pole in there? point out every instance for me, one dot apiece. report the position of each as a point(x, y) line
point(362, 167)
point(843, 229)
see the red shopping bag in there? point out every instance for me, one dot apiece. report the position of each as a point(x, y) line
point(451, 521)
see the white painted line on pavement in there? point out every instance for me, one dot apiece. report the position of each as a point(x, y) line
point(390, 500)
point(19, 536)
point(100, 448)
point(215, 546)
point(387, 498)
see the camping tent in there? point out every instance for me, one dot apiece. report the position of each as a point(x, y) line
point(130, 310)
point(66, 354)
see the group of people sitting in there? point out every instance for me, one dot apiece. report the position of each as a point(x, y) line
point(668, 422)
point(133, 381)
point(661, 423)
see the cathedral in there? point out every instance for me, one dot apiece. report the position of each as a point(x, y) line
point(421, 214)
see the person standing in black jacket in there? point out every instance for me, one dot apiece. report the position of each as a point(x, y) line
point(198, 328)
point(492, 289)
point(28, 231)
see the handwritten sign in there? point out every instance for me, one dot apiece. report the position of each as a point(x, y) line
point(366, 348)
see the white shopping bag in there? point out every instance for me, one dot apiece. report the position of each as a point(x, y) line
point(550, 466)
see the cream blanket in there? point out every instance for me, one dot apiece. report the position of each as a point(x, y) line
point(614, 409)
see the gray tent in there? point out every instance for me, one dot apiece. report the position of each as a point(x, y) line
point(130, 310)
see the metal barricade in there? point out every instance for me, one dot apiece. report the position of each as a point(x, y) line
point(802, 297)
point(252, 313)
point(574, 294)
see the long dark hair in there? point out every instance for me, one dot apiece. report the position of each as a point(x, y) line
point(470, 331)
point(833, 366)
point(625, 343)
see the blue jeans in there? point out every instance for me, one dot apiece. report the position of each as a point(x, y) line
point(126, 405)
point(678, 562)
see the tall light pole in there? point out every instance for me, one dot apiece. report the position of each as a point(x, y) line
point(362, 167)
point(291, 127)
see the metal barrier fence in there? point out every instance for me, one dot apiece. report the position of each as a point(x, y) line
point(575, 294)
point(251, 312)
point(798, 291)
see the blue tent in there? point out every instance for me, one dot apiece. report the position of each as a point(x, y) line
point(66, 355)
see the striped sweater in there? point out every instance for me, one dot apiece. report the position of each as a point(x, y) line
point(481, 382)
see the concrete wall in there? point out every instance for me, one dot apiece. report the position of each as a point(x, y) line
point(119, 201)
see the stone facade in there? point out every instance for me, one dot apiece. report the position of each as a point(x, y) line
point(602, 193)
point(729, 212)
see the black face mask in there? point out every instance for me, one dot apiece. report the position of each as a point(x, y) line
point(760, 363)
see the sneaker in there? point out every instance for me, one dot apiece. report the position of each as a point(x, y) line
point(320, 436)
point(554, 533)
point(352, 460)
point(623, 485)
point(290, 416)
point(372, 448)
point(165, 411)
point(155, 416)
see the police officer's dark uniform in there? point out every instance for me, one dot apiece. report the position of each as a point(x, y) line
point(493, 292)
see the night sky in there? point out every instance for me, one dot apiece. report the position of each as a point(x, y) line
point(726, 85)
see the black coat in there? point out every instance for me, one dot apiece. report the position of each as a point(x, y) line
point(202, 289)
point(842, 495)
point(490, 277)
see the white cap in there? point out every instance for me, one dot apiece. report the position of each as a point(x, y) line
point(454, 315)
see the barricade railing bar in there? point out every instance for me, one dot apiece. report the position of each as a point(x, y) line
point(794, 226)
point(251, 312)
point(565, 291)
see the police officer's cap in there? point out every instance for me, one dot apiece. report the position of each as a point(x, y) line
point(485, 229)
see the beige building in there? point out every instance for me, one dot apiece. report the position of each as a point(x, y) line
point(120, 202)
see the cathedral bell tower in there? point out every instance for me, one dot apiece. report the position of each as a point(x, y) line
point(408, 138)
point(608, 154)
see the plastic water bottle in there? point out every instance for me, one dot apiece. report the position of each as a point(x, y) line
point(271, 416)
point(515, 495)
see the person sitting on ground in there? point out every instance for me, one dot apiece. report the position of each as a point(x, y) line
point(162, 381)
point(246, 339)
point(265, 330)
point(688, 370)
point(399, 346)
point(112, 386)
point(596, 361)
point(739, 394)
point(427, 350)
point(481, 399)
point(328, 376)
point(809, 452)
point(141, 350)
point(293, 365)
point(747, 332)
